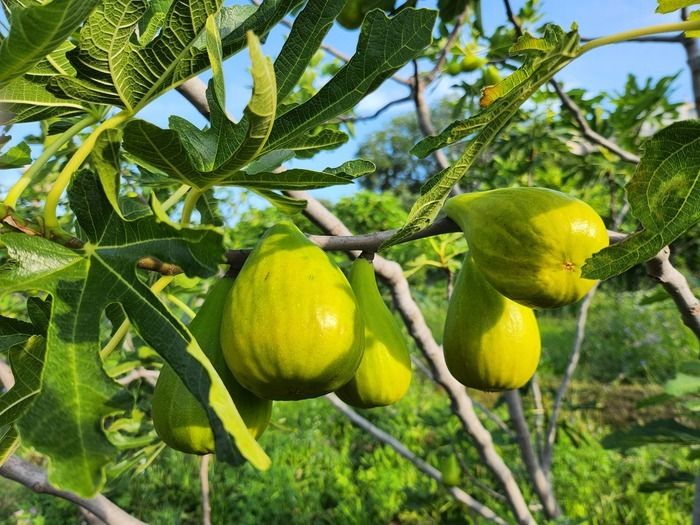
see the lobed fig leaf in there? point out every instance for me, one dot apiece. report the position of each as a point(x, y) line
point(490, 342)
point(530, 243)
point(384, 374)
point(178, 417)
point(291, 328)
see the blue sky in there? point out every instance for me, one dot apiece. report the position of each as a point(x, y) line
point(602, 69)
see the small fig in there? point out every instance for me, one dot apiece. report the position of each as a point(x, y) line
point(530, 243)
point(179, 419)
point(471, 62)
point(351, 15)
point(451, 470)
point(385, 370)
point(490, 342)
point(492, 76)
point(291, 327)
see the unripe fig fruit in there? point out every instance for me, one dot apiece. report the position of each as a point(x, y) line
point(351, 15)
point(471, 62)
point(451, 470)
point(291, 327)
point(490, 342)
point(385, 370)
point(179, 419)
point(530, 243)
point(492, 76)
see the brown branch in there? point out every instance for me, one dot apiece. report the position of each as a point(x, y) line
point(425, 122)
point(35, 479)
point(457, 493)
point(451, 39)
point(539, 479)
point(7, 379)
point(674, 282)
point(586, 129)
point(381, 110)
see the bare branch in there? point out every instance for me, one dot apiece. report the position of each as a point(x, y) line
point(7, 380)
point(194, 90)
point(457, 493)
point(540, 481)
point(204, 484)
point(149, 376)
point(454, 35)
point(425, 121)
point(547, 449)
point(587, 131)
point(675, 283)
point(35, 479)
point(539, 413)
point(511, 18)
point(381, 110)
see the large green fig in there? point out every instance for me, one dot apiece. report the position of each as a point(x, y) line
point(179, 419)
point(490, 342)
point(530, 243)
point(385, 371)
point(291, 327)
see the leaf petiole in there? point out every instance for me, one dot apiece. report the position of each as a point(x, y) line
point(64, 177)
point(18, 188)
point(123, 329)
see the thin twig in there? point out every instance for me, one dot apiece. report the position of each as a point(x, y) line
point(550, 435)
point(451, 39)
point(204, 485)
point(586, 129)
point(457, 493)
point(149, 376)
point(539, 479)
point(34, 478)
point(381, 110)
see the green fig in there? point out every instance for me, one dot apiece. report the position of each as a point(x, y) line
point(351, 15)
point(385, 370)
point(451, 470)
point(530, 243)
point(492, 76)
point(471, 62)
point(291, 327)
point(490, 342)
point(179, 419)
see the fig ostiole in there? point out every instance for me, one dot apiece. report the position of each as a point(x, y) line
point(291, 327)
point(490, 342)
point(530, 243)
point(178, 417)
point(384, 374)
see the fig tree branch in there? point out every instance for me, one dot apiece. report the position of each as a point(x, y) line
point(539, 478)
point(34, 478)
point(451, 39)
point(456, 492)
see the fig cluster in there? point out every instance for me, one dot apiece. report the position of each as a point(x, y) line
point(292, 326)
point(526, 250)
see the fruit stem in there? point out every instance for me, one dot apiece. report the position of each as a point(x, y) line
point(693, 25)
point(18, 188)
